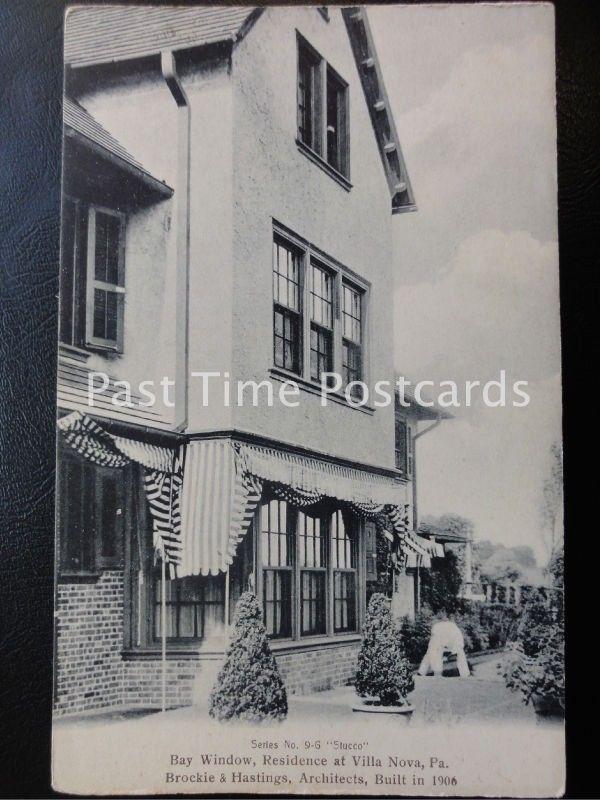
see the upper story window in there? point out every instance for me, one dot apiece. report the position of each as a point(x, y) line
point(330, 337)
point(92, 276)
point(403, 447)
point(322, 109)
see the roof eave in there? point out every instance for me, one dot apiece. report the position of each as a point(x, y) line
point(152, 183)
point(380, 111)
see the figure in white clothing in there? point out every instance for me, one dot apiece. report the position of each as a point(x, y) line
point(445, 635)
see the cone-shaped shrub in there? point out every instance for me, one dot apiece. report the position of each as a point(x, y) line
point(383, 670)
point(248, 685)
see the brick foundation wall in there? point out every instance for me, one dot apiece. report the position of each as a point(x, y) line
point(88, 645)
point(93, 675)
point(142, 682)
point(319, 668)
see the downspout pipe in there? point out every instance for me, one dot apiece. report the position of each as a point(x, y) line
point(182, 233)
point(414, 482)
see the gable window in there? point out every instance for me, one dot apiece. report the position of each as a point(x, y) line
point(336, 122)
point(403, 447)
point(309, 571)
point(309, 97)
point(287, 308)
point(92, 276)
point(329, 337)
point(90, 502)
point(322, 105)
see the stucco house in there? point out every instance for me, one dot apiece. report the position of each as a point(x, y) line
point(231, 179)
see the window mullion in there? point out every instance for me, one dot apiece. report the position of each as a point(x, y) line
point(305, 312)
point(329, 599)
point(292, 522)
point(337, 324)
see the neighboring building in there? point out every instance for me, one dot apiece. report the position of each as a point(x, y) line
point(230, 176)
point(406, 581)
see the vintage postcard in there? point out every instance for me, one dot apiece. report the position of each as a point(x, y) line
point(309, 475)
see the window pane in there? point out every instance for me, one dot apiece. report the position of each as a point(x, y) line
point(286, 340)
point(401, 444)
point(343, 544)
point(286, 271)
point(334, 98)
point(305, 97)
point(106, 257)
point(321, 352)
point(312, 603)
point(111, 315)
point(277, 603)
point(110, 514)
point(277, 544)
point(321, 296)
point(351, 314)
point(100, 314)
point(344, 601)
point(312, 533)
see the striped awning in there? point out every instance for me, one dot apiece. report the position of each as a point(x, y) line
point(222, 487)
point(313, 475)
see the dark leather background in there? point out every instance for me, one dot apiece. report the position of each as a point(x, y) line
point(30, 142)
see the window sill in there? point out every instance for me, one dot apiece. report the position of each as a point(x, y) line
point(71, 351)
point(320, 162)
point(79, 577)
point(307, 642)
point(315, 388)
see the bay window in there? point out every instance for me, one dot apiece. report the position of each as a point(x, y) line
point(309, 571)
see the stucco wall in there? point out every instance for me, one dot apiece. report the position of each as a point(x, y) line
point(134, 104)
point(274, 180)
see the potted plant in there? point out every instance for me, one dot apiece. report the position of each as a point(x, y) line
point(384, 676)
point(248, 685)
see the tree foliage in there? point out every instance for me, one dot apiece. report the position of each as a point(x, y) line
point(248, 685)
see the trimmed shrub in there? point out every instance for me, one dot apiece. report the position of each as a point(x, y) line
point(248, 685)
point(383, 670)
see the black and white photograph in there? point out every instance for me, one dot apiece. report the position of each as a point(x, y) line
point(309, 475)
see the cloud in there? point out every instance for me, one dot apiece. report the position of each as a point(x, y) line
point(481, 153)
point(494, 307)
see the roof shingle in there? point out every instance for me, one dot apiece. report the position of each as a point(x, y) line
point(103, 34)
point(81, 121)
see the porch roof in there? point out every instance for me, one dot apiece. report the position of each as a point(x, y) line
point(81, 125)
